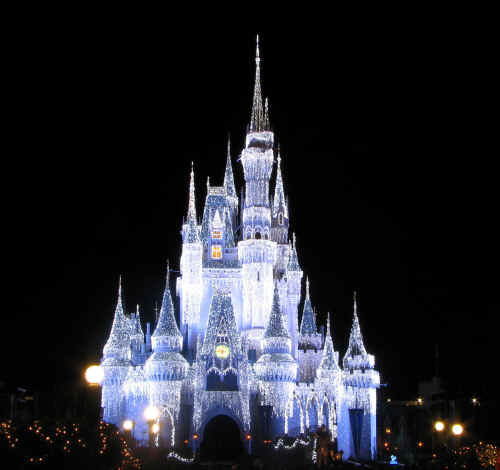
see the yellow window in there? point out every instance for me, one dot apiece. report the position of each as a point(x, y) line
point(216, 251)
point(217, 234)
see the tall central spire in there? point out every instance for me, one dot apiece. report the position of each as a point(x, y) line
point(192, 234)
point(257, 121)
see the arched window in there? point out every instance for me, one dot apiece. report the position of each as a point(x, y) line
point(280, 219)
point(257, 235)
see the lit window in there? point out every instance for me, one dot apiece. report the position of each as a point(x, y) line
point(216, 251)
point(217, 234)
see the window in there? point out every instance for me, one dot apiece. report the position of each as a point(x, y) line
point(216, 251)
point(280, 219)
point(217, 234)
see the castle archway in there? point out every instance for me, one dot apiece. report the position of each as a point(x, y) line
point(221, 439)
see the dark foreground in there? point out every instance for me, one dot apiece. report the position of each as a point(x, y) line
point(78, 445)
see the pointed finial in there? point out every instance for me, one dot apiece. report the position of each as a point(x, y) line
point(168, 271)
point(257, 116)
point(156, 311)
point(257, 55)
point(328, 324)
point(137, 310)
point(294, 239)
point(208, 181)
point(355, 304)
point(307, 287)
point(192, 202)
point(266, 114)
point(228, 146)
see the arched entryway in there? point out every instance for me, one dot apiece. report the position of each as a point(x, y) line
point(221, 439)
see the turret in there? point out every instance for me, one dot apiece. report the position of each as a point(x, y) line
point(232, 196)
point(117, 347)
point(309, 336)
point(361, 381)
point(329, 365)
point(276, 369)
point(166, 368)
point(115, 364)
point(279, 221)
point(294, 281)
point(190, 282)
point(356, 357)
point(136, 337)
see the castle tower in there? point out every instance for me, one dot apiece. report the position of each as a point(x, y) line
point(256, 252)
point(294, 283)
point(232, 196)
point(190, 282)
point(361, 381)
point(137, 345)
point(276, 369)
point(115, 364)
point(309, 342)
point(166, 368)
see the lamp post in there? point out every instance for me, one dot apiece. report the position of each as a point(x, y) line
point(94, 376)
point(457, 430)
point(128, 426)
point(151, 413)
point(196, 436)
point(248, 437)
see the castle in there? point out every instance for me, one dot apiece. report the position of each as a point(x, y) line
point(238, 349)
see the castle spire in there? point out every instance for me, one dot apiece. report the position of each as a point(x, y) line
point(119, 338)
point(166, 326)
point(228, 177)
point(308, 324)
point(257, 118)
point(329, 359)
point(276, 327)
point(192, 232)
point(267, 124)
point(293, 261)
point(356, 346)
point(279, 193)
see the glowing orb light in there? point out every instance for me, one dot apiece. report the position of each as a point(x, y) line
point(151, 413)
point(439, 426)
point(94, 375)
point(457, 429)
point(128, 424)
point(155, 428)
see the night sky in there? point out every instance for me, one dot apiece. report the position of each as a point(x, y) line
point(384, 143)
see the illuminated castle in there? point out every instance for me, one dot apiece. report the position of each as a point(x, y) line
point(238, 349)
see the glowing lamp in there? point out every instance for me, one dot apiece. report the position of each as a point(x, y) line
point(439, 426)
point(457, 429)
point(420, 400)
point(151, 413)
point(195, 437)
point(248, 437)
point(420, 444)
point(155, 428)
point(387, 430)
point(128, 424)
point(94, 375)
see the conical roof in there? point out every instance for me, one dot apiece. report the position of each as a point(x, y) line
point(166, 325)
point(119, 338)
point(276, 327)
point(279, 199)
point(308, 325)
point(192, 231)
point(228, 176)
point(293, 261)
point(329, 359)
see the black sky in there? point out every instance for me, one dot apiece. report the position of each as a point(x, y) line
point(385, 141)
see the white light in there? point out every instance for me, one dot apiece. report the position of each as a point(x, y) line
point(457, 429)
point(128, 424)
point(439, 426)
point(155, 428)
point(151, 413)
point(94, 375)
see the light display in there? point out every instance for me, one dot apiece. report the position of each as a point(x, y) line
point(238, 349)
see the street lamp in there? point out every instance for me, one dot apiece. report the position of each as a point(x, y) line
point(457, 429)
point(151, 413)
point(128, 424)
point(439, 426)
point(94, 375)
